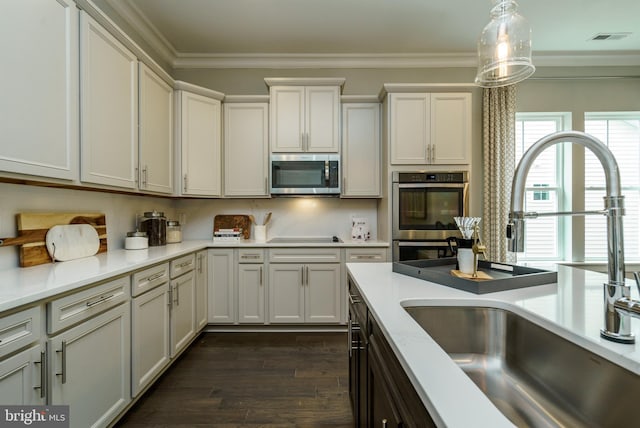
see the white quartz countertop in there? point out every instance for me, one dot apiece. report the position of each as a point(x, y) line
point(23, 286)
point(572, 308)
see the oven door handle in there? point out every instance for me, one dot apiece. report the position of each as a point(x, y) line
point(430, 185)
point(423, 244)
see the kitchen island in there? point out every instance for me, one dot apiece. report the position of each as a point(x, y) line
point(572, 308)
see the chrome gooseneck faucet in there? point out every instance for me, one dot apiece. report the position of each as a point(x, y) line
point(618, 306)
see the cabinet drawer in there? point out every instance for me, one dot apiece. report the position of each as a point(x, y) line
point(304, 255)
point(182, 265)
point(251, 256)
point(20, 329)
point(69, 310)
point(364, 255)
point(148, 279)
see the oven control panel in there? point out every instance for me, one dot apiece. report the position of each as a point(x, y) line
point(430, 177)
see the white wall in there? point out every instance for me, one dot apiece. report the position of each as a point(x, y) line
point(291, 216)
point(119, 210)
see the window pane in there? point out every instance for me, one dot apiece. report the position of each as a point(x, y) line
point(541, 234)
point(621, 133)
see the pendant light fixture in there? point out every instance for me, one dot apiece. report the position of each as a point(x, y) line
point(504, 47)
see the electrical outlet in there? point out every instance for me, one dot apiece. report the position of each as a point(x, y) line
point(182, 218)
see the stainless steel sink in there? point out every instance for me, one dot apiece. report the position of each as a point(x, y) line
point(533, 376)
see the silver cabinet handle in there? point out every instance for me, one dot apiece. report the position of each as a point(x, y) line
point(250, 256)
point(266, 185)
point(43, 372)
point(185, 183)
point(353, 300)
point(307, 280)
point(302, 275)
point(200, 256)
point(177, 295)
point(137, 175)
point(144, 176)
point(63, 371)
point(261, 276)
point(155, 276)
point(100, 299)
point(170, 297)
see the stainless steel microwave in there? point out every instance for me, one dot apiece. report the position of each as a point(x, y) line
point(305, 174)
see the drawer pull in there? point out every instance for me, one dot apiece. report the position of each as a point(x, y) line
point(251, 256)
point(63, 372)
point(365, 257)
point(155, 276)
point(184, 264)
point(353, 299)
point(43, 372)
point(101, 299)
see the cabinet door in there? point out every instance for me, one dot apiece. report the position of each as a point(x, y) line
point(201, 290)
point(251, 287)
point(451, 128)
point(382, 408)
point(322, 297)
point(156, 133)
point(361, 150)
point(109, 108)
point(200, 142)
point(221, 298)
point(149, 336)
point(286, 119)
point(286, 293)
point(246, 149)
point(182, 312)
point(90, 368)
point(39, 102)
point(409, 130)
point(322, 119)
point(21, 377)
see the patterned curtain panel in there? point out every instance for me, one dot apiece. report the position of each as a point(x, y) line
point(498, 113)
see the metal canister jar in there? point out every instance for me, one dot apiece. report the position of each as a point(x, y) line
point(155, 224)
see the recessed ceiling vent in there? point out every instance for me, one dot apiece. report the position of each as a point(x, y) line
point(610, 36)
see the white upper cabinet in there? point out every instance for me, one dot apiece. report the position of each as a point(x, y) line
point(451, 128)
point(429, 128)
point(360, 150)
point(156, 133)
point(200, 148)
point(109, 108)
point(246, 149)
point(39, 102)
point(305, 117)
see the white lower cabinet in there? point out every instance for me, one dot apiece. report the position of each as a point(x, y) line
point(305, 285)
point(150, 336)
point(221, 300)
point(90, 368)
point(182, 312)
point(251, 285)
point(201, 290)
point(21, 377)
point(304, 293)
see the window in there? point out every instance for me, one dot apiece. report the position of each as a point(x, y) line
point(621, 133)
point(544, 185)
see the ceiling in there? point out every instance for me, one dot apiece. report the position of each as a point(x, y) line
point(375, 33)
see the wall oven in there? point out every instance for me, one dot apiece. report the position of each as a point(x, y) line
point(305, 174)
point(424, 205)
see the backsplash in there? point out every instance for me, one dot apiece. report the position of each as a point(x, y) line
point(120, 211)
point(291, 216)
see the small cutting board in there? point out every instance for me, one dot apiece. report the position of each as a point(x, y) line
point(33, 227)
point(72, 241)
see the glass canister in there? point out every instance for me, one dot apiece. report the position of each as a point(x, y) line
point(155, 224)
point(174, 232)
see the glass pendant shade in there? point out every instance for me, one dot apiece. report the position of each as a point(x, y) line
point(504, 48)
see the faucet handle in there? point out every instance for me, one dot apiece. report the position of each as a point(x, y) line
point(636, 276)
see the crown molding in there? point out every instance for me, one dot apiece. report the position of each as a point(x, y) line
point(586, 59)
point(295, 61)
point(132, 14)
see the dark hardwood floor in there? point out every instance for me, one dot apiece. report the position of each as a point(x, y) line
point(252, 380)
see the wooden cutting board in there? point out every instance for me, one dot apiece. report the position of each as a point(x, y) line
point(33, 228)
point(232, 221)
